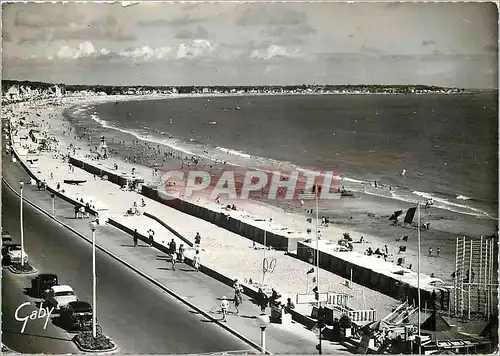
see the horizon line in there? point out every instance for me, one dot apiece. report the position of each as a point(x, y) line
point(243, 85)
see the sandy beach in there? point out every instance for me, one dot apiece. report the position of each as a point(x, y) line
point(363, 215)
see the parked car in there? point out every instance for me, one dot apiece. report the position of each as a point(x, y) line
point(12, 254)
point(6, 237)
point(76, 316)
point(41, 284)
point(59, 296)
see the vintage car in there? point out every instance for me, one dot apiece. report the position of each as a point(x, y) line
point(12, 254)
point(76, 316)
point(42, 283)
point(59, 296)
point(6, 237)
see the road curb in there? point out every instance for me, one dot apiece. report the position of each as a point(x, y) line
point(144, 275)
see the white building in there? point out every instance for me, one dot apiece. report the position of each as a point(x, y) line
point(13, 93)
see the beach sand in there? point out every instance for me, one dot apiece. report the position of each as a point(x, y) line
point(363, 215)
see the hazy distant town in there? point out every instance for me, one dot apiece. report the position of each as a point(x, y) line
point(14, 90)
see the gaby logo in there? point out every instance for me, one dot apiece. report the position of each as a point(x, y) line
point(42, 312)
point(240, 184)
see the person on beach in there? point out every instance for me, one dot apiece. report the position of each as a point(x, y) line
point(151, 234)
point(196, 261)
point(58, 186)
point(181, 253)
point(224, 305)
point(172, 247)
point(430, 251)
point(197, 239)
point(136, 237)
point(143, 203)
point(289, 305)
point(262, 300)
point(238, 299)
point(438, 251)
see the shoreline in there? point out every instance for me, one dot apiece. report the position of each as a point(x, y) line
point(358, 216)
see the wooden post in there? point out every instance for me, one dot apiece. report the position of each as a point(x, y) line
point(470, 278)
point(455, 280)
point(479, 291)
point(486, 264)
point(490, 281)
point(462, 278)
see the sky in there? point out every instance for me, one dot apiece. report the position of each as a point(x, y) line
point(202, 43)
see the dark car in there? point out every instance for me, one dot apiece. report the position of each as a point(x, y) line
point(6, 237)
point(76, 316)
point(43, 282)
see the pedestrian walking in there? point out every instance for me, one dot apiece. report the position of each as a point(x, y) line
point(76, 211)
point(181, 253)
point(438, 251)
point(136, 237)
point(224, 305)
point(173, 260)
point(238, 299)
point(172, 247)
point(196, 261)
point(262, 300)
point(197, 239)
point(82, 212)
point(151, 233)
point(430, 251)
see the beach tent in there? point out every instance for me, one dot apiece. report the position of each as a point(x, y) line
point(439, 329)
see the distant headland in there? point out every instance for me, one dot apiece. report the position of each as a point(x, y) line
point(12, 89)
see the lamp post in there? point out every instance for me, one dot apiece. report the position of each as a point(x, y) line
point(265, 253)
point(53, 204)
point(263, 321)
point(93, 227)
point(21, 184)
point(418, 278)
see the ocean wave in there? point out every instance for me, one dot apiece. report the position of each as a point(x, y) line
point(234, 152)
point(463, 197)
point(444, 203)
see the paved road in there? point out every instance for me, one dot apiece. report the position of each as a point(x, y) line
point(140, 317)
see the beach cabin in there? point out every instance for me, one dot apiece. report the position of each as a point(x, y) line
point(13, 93)
point(35, 136)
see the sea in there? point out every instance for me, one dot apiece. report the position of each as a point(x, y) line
point(423, 146)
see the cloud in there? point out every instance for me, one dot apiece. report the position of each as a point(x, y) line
point(185, 33)
point(48, 19)
point(272, 14)
point(179, 21)
point(37, 37)
point(428, 42)
point(273, 51)
point(491, 48)
point(193, 49)
point(289, 31)
point(101, 29)
point(147, 53)
point(84, 49)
